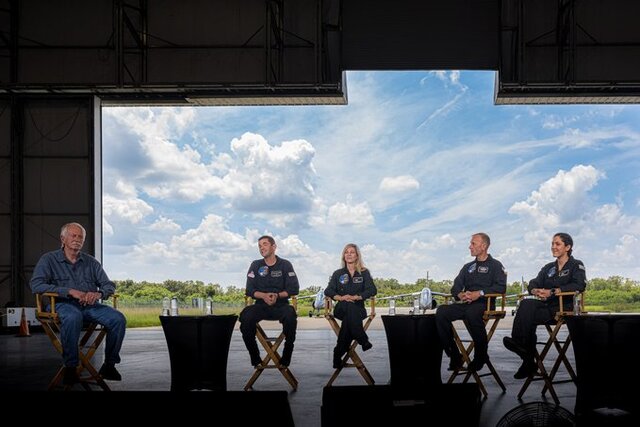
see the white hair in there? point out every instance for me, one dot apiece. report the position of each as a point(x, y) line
point(65, 228)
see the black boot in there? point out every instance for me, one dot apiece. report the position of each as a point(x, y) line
point(337, 357)
point(254, 353)
point(455, 364)
point(285, 360)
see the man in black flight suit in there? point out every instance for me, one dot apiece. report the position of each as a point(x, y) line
point(482, 276)
point(270, 281)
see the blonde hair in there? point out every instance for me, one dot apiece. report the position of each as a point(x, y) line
point(359, 264)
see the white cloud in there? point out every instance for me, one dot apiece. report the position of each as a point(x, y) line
point(560, 199)
point(624, 253)
point(399, 183)
point(163, 224)
point(107, 229)
point(275, 178)
point(349, 213)
point(122, 203)
point(443, 241)
point(206, 245)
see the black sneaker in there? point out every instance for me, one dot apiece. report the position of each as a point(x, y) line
point(337, 361)
point(455, 364)
point(366, 345)
point(70, 375)
point(527, 369)
point(256, 361)
point(514, 346)
point(285, 360)
point(109, 372)
point(477, 363)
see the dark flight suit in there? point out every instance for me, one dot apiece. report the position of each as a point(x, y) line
point(350, 313)
point(532, 312)
point(487, 276)
point(264, 278)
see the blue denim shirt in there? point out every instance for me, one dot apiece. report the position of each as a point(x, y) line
point(55, 273)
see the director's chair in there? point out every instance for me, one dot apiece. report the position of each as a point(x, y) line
point(491, 317)
point(561, 346)
point(270, 345)
point(351, 352)
point(90, 340)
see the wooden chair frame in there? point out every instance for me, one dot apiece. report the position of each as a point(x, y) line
point(351, 352)
point(492, 318)
point(271, 345)
point(89, 342)
point(541, 373)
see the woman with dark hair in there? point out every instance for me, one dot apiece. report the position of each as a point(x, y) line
point(565, 274)
point(350, 286)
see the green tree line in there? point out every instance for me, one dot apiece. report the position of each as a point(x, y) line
point(613, 294)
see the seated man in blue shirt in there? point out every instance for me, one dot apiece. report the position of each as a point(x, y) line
point(270, 281)
point(80, 281)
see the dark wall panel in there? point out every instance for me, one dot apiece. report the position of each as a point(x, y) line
point(47, 180)
point(410, 35)
point(70, 42)
point(57, 186)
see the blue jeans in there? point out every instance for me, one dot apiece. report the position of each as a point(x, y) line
point(73, 315)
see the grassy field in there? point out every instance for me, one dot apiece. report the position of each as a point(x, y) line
point(145, 316)
point(139, 317)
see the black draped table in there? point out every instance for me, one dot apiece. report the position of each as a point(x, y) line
point(607, 352)
point(198, 350)
point(415, 352)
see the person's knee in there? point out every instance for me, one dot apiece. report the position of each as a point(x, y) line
point(443, 314)
point(117, 321)
point(248, 315)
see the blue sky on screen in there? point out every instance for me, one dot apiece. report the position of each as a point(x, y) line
point(408, 170)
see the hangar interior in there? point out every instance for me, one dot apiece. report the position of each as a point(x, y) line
point(61, 61)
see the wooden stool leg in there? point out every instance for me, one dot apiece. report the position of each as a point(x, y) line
point(351, 354)
point(271, 355)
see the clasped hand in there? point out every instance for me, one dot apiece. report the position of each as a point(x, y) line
point(543, 294)
point(85, 298)
point(270, 298)
point(468, 296)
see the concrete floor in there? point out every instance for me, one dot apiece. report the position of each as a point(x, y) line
point(27, 364)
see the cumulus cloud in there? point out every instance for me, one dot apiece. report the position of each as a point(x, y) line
point(122, 203)
point(273, 178)
point(624, 253)
point(350, 213)
point(163, 224)
point(396, 184)
point(560, 199)
point(205, 245)
point(255, 176)
point(443, 241)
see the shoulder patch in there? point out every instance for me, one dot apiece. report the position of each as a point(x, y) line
point(292, 274)
point(581, 266)
point(472, 268)
point(251, 274)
